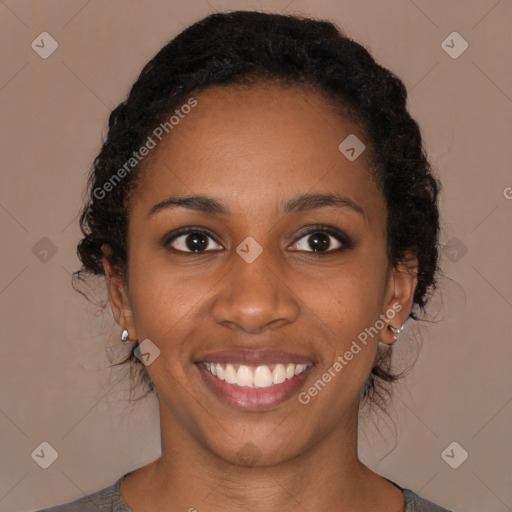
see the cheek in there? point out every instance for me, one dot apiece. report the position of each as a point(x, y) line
point(350, 310)
point(163, 294)
point(358, 302)
point(347, 299)
point(346, 309)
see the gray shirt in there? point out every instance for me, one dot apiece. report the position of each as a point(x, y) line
point(110, 499)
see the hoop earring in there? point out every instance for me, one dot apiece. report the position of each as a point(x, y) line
point(396, 331)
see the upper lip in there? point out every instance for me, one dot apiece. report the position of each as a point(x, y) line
point(263, 356)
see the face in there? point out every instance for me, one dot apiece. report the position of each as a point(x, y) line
point(281, 262)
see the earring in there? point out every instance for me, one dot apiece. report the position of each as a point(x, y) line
point(124, 336)
point(396, 331)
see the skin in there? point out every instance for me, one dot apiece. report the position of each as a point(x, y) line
point(253, 148)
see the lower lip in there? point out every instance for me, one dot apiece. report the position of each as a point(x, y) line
point(253, 399)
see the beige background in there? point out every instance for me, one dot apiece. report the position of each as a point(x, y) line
point(55, 382)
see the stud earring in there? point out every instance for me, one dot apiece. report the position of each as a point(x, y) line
point(124, 336)
point(396, 331)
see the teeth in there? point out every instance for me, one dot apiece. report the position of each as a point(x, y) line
point(244, 376)
point(219, 371)
point(230, 375)
point(261, 376)
point(279, 374)
point(299, 368)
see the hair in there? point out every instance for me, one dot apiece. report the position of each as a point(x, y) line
point(247, 48)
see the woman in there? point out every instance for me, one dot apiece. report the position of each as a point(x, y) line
point(266, 220)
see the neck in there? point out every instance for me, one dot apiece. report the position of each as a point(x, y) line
point(326, 476)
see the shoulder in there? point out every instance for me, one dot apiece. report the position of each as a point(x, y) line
point(415, 503)
point(108, 499)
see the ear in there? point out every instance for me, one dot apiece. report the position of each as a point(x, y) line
point(118, 297)
point(402, 283)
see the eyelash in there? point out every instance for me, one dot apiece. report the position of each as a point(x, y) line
point(341, 237)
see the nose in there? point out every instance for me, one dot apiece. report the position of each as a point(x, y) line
point(254, 297)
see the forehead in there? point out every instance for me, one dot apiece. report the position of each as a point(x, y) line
point(251, 144)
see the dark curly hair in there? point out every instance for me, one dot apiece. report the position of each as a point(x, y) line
point(244, 47)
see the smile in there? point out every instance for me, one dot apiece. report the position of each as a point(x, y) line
point(262, 376)
point(256, 386)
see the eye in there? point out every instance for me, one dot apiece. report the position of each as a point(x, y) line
point(192, 241)
point(317, 240)
point(321, 239)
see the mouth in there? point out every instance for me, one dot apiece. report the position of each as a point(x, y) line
point(254, 380)
point(262, 376)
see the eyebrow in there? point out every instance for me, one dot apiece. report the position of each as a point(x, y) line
point(301, 203)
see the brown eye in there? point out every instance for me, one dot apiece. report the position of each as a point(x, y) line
point(192, 241)
point(322, 241)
